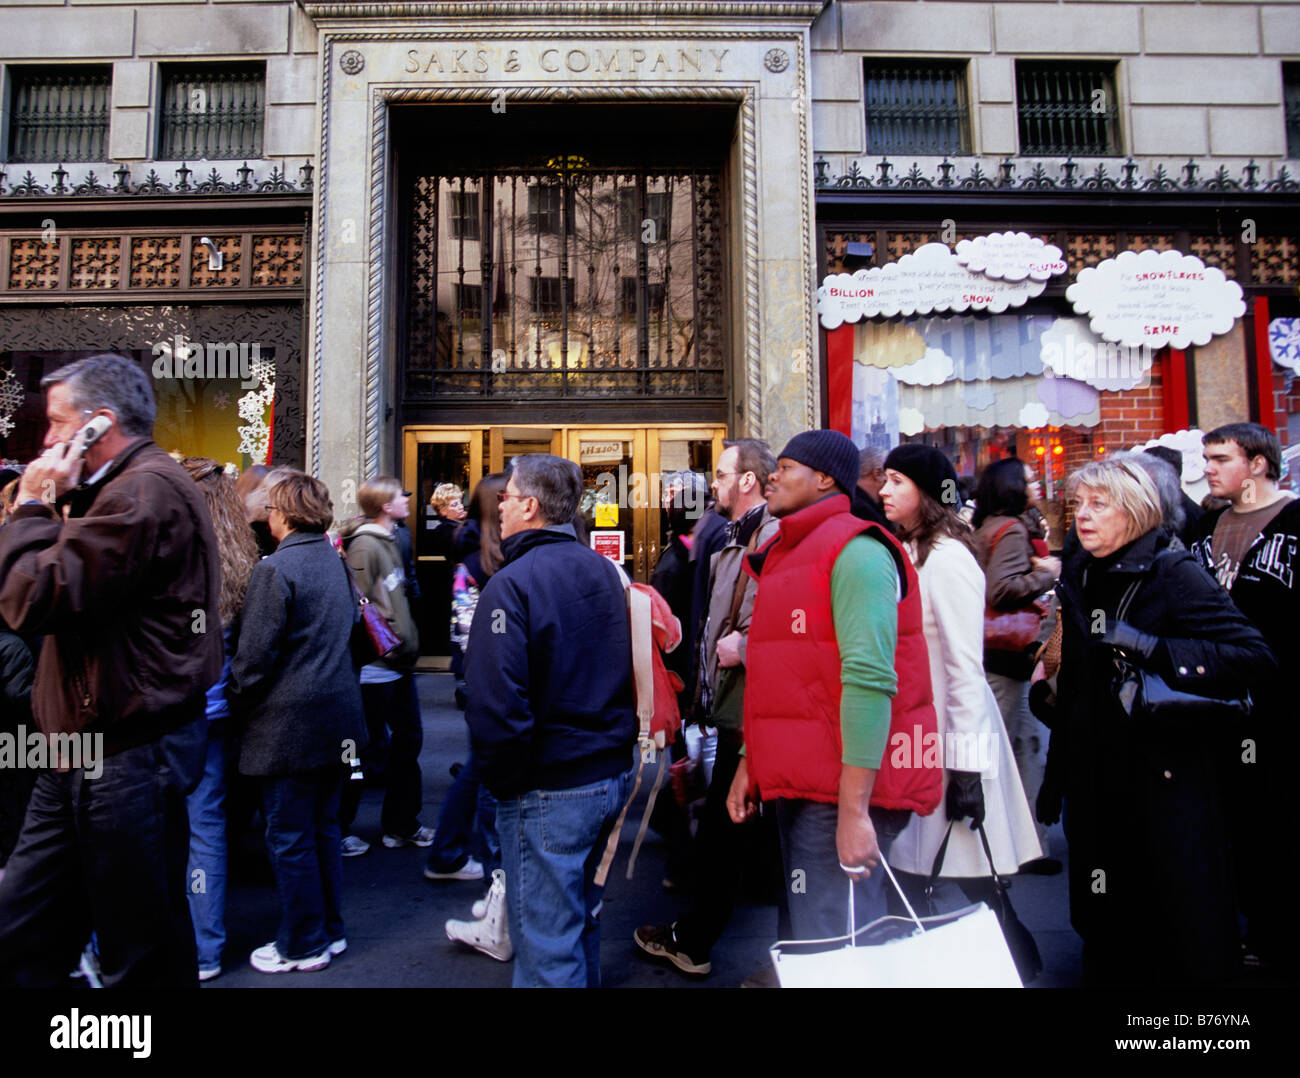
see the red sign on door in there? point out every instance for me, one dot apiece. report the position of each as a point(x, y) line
point(609, 544)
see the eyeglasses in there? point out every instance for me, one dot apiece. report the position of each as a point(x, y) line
point(502, 496)
point(1094, 506)
point(720, 475)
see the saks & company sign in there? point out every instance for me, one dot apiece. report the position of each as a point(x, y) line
point(551, 60)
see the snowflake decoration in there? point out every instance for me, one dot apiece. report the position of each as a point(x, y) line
point(12, 396)
point(221, 401)
point(1284, 342)
point(255, 435)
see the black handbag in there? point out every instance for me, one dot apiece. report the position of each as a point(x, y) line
point(1024, 951)
point(1145, 695)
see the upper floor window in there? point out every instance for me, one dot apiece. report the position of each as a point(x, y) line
point(1291, 97)
point(546, 205)
point(59, 114)
point(463, 216)
point(916, 106)
point(1067, 107)
point(212, 112)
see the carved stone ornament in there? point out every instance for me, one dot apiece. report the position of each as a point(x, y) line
point(352, 62)
point(776, 60)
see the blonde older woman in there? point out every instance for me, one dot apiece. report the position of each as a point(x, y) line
point(1149, 872)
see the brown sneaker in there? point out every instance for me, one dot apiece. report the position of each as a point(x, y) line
point(660, 941)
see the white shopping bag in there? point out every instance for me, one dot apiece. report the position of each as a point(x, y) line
point(963, 949)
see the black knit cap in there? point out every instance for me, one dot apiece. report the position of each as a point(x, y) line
point(929, 469)
point(826, 451)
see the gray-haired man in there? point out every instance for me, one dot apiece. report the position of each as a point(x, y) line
point(120, 573)
point(552, 717)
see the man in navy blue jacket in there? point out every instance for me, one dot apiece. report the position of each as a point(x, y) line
point(552, 715)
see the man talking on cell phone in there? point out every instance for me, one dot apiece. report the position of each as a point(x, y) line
point(110, 554)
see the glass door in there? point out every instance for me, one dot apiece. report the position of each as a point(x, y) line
point(432, 458)
point(679, 449)
point(616, 494)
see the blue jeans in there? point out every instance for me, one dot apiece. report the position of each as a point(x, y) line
point(551, 843)
point(466, 824)
point(819, 893)
point(206, 878)
point(303, 837)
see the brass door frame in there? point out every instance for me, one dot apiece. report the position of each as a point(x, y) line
point(646, 438)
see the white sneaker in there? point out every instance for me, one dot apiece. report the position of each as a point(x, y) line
point(352, 846)
point(209, 973)
point(489, 933)
point(268, 959)
point(338, 946)
point(422, 837)
point(470, 870)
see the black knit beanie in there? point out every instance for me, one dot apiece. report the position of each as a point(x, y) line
point(929, 469)
point(826, 451)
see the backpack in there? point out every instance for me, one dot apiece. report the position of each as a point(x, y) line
point(655, 631)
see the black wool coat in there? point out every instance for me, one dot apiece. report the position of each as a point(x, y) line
point(293, 690)
point(1150, 879)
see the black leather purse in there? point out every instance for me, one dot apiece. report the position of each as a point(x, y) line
point(1145, 695)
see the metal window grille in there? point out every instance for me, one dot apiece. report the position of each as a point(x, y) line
point(1067, 108)
point(1291, 96)
point(59, 114)
point(213, 113)
point(632, 319)
point(916, 107)
point(462, 217)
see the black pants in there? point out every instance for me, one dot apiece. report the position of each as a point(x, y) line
point(107, 855)
point(722, 850)
point(390, 761)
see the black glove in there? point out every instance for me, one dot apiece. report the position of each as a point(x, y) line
point(1122, 635)
point(1042, 702)
point(965, 797)
point(1047, 809)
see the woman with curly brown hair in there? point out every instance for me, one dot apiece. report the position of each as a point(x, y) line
point(207, 804)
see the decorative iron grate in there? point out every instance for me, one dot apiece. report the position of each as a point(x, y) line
point(59, 114)
point(212, 113)
point(1067, 108)
point(916, 108)
point(567, 284)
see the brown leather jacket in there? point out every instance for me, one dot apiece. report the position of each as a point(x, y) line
point(126, 593)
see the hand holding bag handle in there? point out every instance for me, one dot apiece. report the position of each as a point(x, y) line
point(379, 637)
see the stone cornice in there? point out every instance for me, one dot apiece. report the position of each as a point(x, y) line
point(584, 9)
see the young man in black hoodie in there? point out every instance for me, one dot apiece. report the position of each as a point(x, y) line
point(1251, 548)
point(552, 716)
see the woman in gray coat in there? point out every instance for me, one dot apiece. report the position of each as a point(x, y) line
point(295, 693)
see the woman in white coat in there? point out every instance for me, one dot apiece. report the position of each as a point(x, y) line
point(980, 778)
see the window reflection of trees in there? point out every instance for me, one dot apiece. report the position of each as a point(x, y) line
point(640, 258)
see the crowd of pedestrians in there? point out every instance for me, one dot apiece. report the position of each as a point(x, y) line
point(884, 656)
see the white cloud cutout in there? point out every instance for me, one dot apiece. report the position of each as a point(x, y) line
point(929, 279)
point(1034, 415)
point(1072, 350)
point(1189, 444)
point(934, 367)
point(1156, 298)
point(1011, 256)
point(910, 421)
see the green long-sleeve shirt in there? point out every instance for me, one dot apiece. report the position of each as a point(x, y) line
point(864, 604)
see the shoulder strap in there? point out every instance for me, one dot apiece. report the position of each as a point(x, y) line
point(738, 592)
point(1000, 533)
